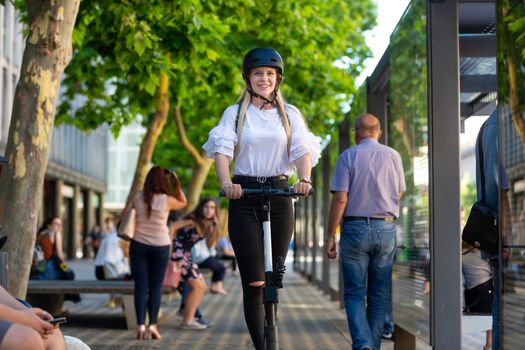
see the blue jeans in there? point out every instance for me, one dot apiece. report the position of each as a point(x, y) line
point(367, 255)
point(493, 259)
point(388, 326)
point(495, 305)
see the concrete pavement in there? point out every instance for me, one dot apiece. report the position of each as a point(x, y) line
point(307, 320)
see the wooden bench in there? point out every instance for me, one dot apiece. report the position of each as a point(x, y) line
point(57, 289)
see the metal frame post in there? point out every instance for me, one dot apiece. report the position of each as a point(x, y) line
point(325, 162)
point(444, 127)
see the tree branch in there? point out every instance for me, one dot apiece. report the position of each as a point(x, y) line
point(183, 138)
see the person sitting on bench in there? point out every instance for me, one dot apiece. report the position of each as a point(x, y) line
point(26, 328)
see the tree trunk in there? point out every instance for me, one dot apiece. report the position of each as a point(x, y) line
point(202, 164)
point(155, 128)
point(47, 52)
point(198, 178)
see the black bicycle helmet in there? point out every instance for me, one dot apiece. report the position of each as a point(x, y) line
point(261, 57)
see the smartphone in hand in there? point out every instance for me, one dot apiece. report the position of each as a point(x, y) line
point(58, 320)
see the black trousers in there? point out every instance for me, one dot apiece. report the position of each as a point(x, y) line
point(216, 266)
point(246, 236)
point(232, 259)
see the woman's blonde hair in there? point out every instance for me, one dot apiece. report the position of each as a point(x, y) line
point(244, 102)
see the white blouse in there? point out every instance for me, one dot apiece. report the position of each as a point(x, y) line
point(263, 150)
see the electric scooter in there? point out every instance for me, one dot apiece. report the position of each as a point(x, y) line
point(273, 279)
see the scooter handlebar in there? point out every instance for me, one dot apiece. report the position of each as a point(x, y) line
point(269, 191)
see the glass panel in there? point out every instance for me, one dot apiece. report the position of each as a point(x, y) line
point(319, 223)
point(309, 235)
point(81, 251)
point(511, 96)
point(95, 200)
point(408, 126)
point(299, 257)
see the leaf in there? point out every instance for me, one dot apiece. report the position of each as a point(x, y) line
point(212, 54)
point(151, 85)
point(197, 22)
point(139, 45)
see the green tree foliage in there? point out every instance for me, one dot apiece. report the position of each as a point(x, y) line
point(311, 36)
point(122, 47)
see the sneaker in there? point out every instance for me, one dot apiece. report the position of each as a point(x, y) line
point(205, 322)
point(218, 291)
point(193, 326)
point(387, 336)
point(180, 314)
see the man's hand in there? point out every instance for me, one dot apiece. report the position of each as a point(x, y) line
point(36, 318)
point(232, 191)
point(330, 248)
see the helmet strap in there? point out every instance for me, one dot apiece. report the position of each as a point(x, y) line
point(265, 100)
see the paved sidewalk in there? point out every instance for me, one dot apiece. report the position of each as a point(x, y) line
point(307, 320)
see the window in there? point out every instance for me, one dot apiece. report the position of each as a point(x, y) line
point(7, 30)
point(18, 41)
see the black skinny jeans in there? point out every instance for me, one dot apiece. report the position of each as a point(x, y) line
point(148, 265)
point(246, 235)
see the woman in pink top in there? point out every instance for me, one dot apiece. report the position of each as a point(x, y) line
point(149, 250)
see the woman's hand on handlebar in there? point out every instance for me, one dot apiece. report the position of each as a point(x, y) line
point(232, 191)
point(302, 187)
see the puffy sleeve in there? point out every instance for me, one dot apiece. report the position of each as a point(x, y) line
point(223, 138)
point(303, 141)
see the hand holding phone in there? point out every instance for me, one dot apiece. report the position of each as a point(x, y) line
point(57, 320)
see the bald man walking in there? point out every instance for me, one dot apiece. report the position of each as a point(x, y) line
point(367, 185)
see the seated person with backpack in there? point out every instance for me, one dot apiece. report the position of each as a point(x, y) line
point(48, 257)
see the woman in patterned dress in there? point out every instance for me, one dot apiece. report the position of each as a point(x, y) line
point(201, 223)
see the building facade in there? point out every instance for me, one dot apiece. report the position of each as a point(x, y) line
point(123, 155)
